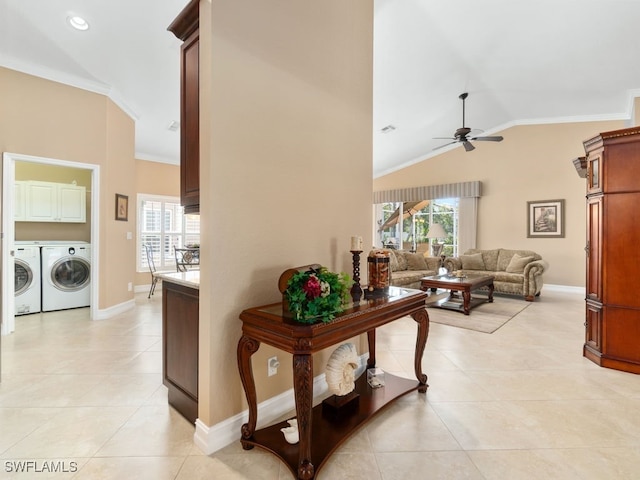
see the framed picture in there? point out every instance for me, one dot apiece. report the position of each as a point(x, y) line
point(545, 219)
point(122, 207)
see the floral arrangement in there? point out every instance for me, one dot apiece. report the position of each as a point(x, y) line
point(317, 295)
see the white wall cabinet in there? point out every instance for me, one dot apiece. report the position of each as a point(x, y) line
point(19, 206)
point(53, 202)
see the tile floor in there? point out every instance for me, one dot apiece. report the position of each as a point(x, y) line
point(85, 400)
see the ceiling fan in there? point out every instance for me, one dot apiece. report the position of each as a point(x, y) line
point(462, 133)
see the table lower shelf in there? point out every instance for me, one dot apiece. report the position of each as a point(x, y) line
point(456, 303)
point(329, 431)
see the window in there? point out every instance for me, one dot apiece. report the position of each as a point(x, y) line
point(411, 233)
point(163, 225)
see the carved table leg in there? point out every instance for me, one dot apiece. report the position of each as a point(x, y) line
point(422, 319)
point(303, 390)
point(371, 337)
point(490, 299)
point(466, 301)
point(246, 347)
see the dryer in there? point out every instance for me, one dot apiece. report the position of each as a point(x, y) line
point(66, 275)
point(27, 278)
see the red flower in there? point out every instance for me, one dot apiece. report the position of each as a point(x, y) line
point(312, 287)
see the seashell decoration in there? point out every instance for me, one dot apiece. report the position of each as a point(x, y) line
point(291, 434)
point(341, 369)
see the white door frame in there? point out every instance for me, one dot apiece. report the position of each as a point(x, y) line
point(8, 229)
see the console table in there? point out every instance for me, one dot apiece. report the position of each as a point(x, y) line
point(320, 433)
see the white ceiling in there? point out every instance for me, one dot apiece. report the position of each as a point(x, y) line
point(521, 62)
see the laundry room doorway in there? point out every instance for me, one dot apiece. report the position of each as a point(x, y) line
point(11, 210)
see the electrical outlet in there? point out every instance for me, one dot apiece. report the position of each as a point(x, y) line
point(272, 366)
point(129, 286)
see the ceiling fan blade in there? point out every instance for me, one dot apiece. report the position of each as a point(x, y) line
point(445, 145)
point(496, 138)
point(443, 138)
point(467, 146)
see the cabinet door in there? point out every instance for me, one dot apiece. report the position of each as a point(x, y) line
point(594, 248)
point(72, 204)
point(180, 347)
point(593, 326)
point(620, 249)
point(42, 201)
point(190, 126)
point(19, 206)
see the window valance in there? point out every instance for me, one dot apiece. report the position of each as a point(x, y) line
point(429, 192)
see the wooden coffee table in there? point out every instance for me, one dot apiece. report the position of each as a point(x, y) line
point(465, 285)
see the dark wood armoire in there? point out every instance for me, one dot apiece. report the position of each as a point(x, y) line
point(613, 250)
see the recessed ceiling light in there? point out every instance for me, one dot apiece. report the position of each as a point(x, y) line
point(388, 129)
point(78, 23)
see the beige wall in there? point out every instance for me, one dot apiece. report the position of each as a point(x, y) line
point(286, 170)
point(48, 119)
point(532, 163)
point(154, 178)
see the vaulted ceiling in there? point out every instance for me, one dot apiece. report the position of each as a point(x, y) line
point(521, 62)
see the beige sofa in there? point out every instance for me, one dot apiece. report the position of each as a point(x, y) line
point(517, 272)
point(408, 268)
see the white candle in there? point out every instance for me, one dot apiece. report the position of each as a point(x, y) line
point(356, 244)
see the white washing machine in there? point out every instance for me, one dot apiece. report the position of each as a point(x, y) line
point(27, 278)
point(66, 275)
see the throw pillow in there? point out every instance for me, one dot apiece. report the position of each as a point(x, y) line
point(415, 261)
point(402, 260)
point(472, 262)
point(517, 263)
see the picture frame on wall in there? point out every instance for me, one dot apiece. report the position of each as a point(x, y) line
point(122, 207)
point(545, 219)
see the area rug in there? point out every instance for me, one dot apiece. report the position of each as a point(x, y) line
point(485, 318)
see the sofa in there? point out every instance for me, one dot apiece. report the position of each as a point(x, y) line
point(408, 268)
point(516, 272)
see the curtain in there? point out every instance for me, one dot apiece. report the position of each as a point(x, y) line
point(467, 223)
point(429, 192)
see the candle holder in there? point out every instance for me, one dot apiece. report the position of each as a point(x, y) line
point(356, 289)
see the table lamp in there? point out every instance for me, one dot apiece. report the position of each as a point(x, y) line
point(435, 232)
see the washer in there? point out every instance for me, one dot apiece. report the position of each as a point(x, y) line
point(66, 275)
point(27, 278)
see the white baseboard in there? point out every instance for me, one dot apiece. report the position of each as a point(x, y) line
point(564, 288)
point(211, 439)
point(113, 311)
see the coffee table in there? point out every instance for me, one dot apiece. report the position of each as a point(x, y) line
point(465, 285)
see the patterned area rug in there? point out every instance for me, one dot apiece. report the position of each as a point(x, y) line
point(485, 318)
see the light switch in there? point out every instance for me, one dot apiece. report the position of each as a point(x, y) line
point(129, 235)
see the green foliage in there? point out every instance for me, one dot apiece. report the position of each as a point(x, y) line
point(317, 295)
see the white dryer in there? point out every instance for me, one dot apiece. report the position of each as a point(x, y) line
point(66, 275)
point(27, 278)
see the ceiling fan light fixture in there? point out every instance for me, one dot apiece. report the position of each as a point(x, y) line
point(78, 22)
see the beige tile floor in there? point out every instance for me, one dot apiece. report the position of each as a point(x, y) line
point(522, 403)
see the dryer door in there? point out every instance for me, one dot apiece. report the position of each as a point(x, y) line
point(23, 276)
point(70, 274)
